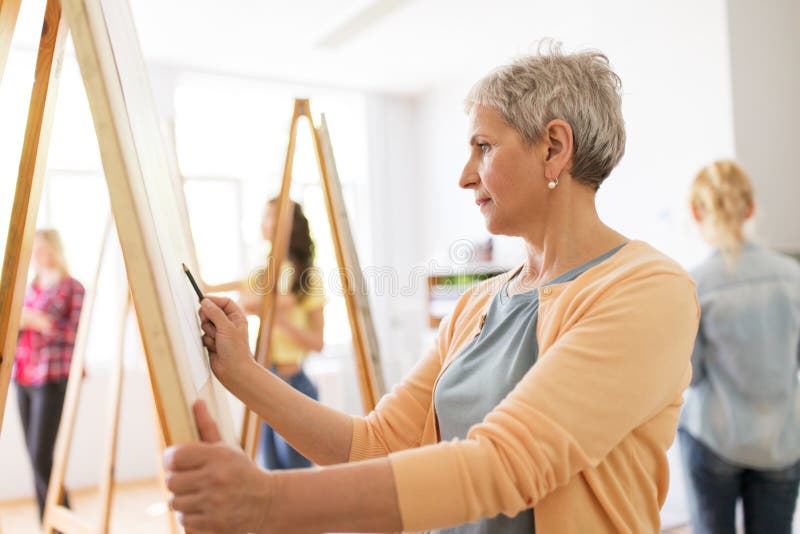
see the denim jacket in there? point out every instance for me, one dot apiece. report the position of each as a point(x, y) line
point(744, 400)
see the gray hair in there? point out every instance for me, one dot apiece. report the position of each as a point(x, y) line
point(578, 88)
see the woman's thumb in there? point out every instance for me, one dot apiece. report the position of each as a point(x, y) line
point(206, 427)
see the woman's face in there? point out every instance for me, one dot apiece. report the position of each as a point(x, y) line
point(42, 254)
point(505, 173)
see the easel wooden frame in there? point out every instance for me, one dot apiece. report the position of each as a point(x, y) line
point(365, 343)
point(115, 143)
point(31, 175)
point(135, 163)
point(17, 261)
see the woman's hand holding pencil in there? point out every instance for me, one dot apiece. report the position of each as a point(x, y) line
point(225, 335)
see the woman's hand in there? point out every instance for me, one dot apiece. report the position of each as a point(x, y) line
point(225, 328)
point(31, 319)
point(215, 487)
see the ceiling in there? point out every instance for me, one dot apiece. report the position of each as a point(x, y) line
point(397, 46)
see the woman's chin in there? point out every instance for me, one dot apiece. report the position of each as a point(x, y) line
point(493, 226)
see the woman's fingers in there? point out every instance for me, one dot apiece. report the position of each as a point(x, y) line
point(199, 521)
point(209, 328)
point(222, 302)
point(188, 503)
point(233, 311)
point(186, 457)
point(186, 482)
point(210, 343)
point(214, 313)
point(216, 487)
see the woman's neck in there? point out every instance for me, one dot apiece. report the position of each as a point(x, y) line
point(49, 277)
point(572, 235)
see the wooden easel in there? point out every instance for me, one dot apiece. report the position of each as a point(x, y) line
point(16, 263)
point(120, 164)
point(365, 343)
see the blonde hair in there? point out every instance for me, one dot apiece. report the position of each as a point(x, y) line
point(724, 193)
point(580, 89)
point(53, 239)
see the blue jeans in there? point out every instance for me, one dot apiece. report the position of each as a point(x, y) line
point(715, 485)
point(276, 453)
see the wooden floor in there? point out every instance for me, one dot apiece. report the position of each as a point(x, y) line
point(137, 508)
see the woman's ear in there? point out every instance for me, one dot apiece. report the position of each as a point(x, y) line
point(748, 212)
point(559, 144)
point(697, 214)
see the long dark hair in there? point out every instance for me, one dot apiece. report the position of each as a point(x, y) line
point(301, 250)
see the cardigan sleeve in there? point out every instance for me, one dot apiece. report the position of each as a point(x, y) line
point(397, 422)
point(616, 367)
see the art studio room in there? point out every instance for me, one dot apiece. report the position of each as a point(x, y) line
point(399, 266)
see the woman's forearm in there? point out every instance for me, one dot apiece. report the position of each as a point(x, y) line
point(318, 432)
point(250, 302)
point(358, 497)
point(35, 320)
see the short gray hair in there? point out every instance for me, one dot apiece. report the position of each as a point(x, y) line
point(578, 88)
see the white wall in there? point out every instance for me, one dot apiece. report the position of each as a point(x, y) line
point(765, 69)
point(673, 61)
point(397, 295)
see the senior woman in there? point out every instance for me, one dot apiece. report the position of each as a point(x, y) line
point(552, 393)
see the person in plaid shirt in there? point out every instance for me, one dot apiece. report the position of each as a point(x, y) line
point(48, 325)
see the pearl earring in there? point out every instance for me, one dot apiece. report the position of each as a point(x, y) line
point(552, 184)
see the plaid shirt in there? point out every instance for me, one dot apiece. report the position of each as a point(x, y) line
point(45, 358)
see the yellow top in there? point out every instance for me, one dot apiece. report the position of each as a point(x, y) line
point(284, 350)
point(583, 436)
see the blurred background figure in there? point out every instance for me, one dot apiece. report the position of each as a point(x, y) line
point(740, 427)
point(48, 324)
point(298, 328)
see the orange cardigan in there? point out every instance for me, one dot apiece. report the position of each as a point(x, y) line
point(583, 436)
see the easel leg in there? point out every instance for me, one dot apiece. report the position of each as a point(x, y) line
point(251, 428)
point(115, 396)
point(161, 445)
point(55, 490)
point(29, 188)
point(365, 342)
point(162, 475)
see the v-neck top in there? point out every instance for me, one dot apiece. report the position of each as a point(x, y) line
point(487, 370)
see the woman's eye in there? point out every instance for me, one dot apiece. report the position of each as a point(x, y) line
point(483, 147)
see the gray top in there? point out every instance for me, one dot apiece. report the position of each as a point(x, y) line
point(744, 401)
point(486, 371)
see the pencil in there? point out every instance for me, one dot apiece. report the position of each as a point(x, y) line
point(194, 284)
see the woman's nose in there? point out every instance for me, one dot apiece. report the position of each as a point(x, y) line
point(469, 176)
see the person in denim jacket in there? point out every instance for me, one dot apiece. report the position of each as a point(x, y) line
point(740, 427)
